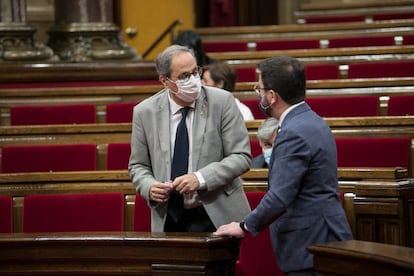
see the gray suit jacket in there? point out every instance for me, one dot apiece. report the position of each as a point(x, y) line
point(221, 153)
point(302, 204)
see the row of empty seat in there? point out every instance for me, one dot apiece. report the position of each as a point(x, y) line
point(352, 152)
point(338, 106)
point(310, 43)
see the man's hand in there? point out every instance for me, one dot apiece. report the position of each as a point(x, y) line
point(160, 192)
point(231, 229)
point(186, 184)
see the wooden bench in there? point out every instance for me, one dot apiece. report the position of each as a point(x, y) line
point(382, 196)
point(118, 253)
point(357, 257)
point(365, 11)
point(308, 31)
point(102, 96)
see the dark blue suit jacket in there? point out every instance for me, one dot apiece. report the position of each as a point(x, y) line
point(302, 204)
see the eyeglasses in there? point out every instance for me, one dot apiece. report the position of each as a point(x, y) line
point(187, 75)
point(257, 89)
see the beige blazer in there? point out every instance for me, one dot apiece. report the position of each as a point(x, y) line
point(221, 153)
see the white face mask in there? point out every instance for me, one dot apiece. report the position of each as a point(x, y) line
point(189, 90)
point(267, 153)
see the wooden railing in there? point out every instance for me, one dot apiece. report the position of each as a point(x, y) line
point(137, 253)
point(357, 257)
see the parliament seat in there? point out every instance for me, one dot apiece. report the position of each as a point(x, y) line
point(119, 112)
point(253, 105)
point(142, 215)
point(351, 106)
point(267, 45)
point(255, 147)
point(6, 214)
point(53, 114)
point(45, 158)
point(73, 212)
point(400, 105)
point(332, 19)
point(225, 46)
point(381, 69)
point(256, 254)
point(374, 152)
point(117, 156)
point(246, 74)
point(322, 71)
point(362, 41)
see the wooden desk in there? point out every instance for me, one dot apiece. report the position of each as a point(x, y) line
point(356, 257)
point(129, 253)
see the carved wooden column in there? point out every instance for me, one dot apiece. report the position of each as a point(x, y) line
point(84, 31)
point(16, 37)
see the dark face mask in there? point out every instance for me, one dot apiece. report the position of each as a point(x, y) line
point(264, 109)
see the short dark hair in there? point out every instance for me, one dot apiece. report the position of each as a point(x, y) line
point(221, 71)
point(193, 41)
point(286, 76)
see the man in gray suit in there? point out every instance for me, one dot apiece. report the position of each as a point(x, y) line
point(219, 152)
point(302, 205)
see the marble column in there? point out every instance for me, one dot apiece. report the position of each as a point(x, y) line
point(84, 31)
point(16, 37)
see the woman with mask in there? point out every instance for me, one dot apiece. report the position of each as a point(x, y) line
point(266, 134)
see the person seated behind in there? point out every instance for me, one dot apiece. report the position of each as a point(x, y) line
point(266, 133)
point(193, 41)
point(220, 74)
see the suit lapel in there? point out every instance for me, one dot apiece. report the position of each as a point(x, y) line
point(199, 126)
point(162, 129)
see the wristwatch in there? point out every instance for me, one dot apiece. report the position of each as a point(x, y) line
point(243, 227)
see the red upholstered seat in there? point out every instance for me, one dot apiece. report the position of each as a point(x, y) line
point(400, 105)
point(393, 16)
point(53, 114)
point(408, 39)
point(6, 214)
point(256, 253)
point(120, 112)
point(255, 147)
point(345, 106)
point(287, 44)
point(45, 158)
point(374, 152)
point(117, 156)
point(142, 215)
point(225, 46)
point(335, 19)
point(322, 71)
point(246, 74)
point(58, 84)
point(381, 69)
point(362, 41)
point(254, 107)
point(73, 212)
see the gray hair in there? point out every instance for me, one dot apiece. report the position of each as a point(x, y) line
point(163, 60)
point(267, 128)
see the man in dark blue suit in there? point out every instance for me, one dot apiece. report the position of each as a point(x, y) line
point(302, 205)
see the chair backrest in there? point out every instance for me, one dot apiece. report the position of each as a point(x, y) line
point(322, 71)
point(45, 158)
point(225, 46)
point(119, 112)
point(349, 106)
point(255, 147)
point(117, 156)
point(335, 19)
point(246, 74)
point(256, 253)
point(6, 214)
point(53, 114)
point(374, 152)
point(73, 212)
point(142, 215)
point(381, 69)
point(400, 105)
point(253, 104)
point(287, 44)
point(393, 16)
point(363, 41)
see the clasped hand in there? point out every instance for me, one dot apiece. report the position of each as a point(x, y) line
point(185, 184)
